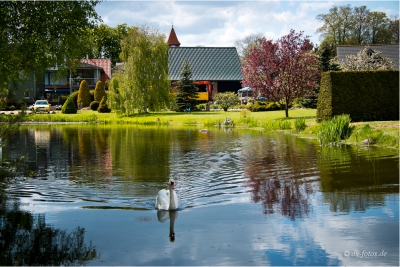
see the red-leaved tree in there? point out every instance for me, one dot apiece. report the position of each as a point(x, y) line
point(282, 70)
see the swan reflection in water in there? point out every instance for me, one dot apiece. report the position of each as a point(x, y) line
point(171, 215)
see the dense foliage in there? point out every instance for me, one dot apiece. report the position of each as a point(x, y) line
point(364, 95)
point(99, 91)
point(226, 100)
point(142, 82)
point(37, 35)
point(282, 70)
point(103, 107)
point(94, 105)
point(344, 25)
point(84, 97)
point(105, 42)
point(263, 106)
point(69, 107)
point(186, 91)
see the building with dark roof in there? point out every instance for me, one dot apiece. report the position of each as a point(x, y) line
point(388, 50)
point(218, 65)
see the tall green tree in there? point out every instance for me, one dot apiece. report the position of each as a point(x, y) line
point(37, 35)
point(187, 91)
point(142, 82)
point(106, 41)
point(326, 51)
point(344, 25)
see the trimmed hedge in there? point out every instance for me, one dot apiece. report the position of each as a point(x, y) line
point(263, 106)
point(69, 107)
point(364, 95)
point(94, 105)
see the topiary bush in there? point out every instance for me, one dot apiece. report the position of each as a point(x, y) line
point(94, 105)
point(84, 97)
point(103, 108)
point(69, 107)
point(263, 106)
point(99, 91)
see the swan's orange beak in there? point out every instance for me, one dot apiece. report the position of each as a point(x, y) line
point(172, 186)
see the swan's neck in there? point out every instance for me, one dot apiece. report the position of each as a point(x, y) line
point(172, 204)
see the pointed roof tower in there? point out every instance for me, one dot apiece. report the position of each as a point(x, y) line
point(172, 39)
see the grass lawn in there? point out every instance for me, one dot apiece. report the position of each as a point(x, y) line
point(384, 133)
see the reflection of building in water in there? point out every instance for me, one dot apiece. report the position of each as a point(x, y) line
point(42, 146)
point(42, 138)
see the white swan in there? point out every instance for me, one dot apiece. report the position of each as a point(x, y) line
point(167, 199)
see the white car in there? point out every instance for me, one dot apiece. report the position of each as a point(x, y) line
point(41, 105)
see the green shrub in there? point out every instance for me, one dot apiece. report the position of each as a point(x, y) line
point(331, 132)
point(284, 125)
point(201, 106)
point(84, 97)
point(94, 105)
point(74, 97)
point(300, 124)
point(263, 106)
point(250, 122)
point(69, 107)
point(103, 108)
point(215, 106)
point(99, 92)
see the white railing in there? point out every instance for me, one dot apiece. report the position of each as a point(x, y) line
point(75, 82)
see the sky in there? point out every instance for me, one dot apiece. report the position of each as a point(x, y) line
point(221, 23)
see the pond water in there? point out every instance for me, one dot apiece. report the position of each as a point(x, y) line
point(246, 198)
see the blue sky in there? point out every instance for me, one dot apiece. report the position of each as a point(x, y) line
point(221, 23)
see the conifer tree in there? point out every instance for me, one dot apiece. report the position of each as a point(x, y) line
point(84, 98)
point(99, 91)
point(69, 107)
point(187, 91)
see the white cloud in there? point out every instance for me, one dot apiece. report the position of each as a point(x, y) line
point(221, 23)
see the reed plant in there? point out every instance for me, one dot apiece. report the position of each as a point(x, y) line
point(331, 132)
point(249, 122)
point(300, 124)
point(190, 122)
point(274, 125)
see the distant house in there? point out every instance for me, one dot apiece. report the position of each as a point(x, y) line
point(388, 50)
point(91, 70)
point(218, 65)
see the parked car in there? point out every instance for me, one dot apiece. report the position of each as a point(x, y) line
point(41, 105)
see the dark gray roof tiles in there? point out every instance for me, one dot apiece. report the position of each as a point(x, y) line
point(206, 63)
point(389, 51)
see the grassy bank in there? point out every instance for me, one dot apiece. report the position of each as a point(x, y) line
point(301, 122)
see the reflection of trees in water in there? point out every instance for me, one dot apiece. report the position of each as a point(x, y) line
point(277, 175)
point(289, 198)
point(27, 240)
point(354, 179)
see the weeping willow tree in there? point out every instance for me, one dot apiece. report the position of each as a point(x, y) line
point(142, 82)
